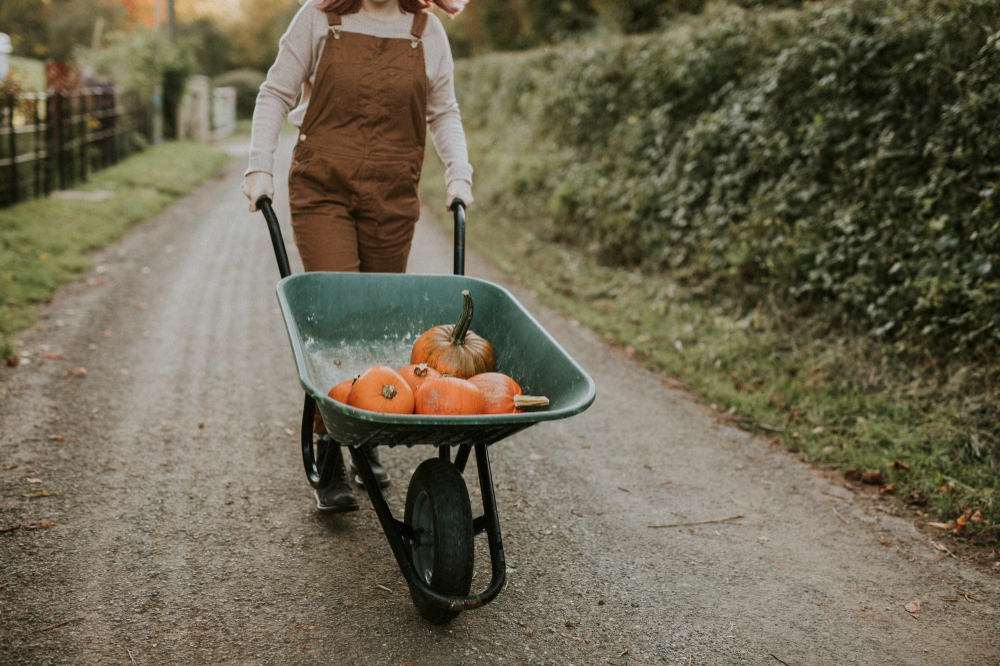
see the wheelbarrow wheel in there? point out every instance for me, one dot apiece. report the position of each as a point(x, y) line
point(439, 511)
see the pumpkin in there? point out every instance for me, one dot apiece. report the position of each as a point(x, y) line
point(381, 389)
point(448, 395)
point(342, 390)
point(416, 374)
point(502, 395)
point(452, 349)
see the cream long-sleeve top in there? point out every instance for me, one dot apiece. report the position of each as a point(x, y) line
point(298, 55)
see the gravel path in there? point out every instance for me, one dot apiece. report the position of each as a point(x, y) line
point(183, 530)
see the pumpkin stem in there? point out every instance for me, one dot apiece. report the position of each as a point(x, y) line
point(420, 370)
point(464, 320)
point(388, 391)
point(522, 401)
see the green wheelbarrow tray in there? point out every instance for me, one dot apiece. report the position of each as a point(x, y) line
point(340, 324)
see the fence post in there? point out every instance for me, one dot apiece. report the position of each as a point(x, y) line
point(15, 188)
point(37, 162)
point(81, 120)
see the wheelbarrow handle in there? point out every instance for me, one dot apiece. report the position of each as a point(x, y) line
point(264, 205)
point(281, 256)
point(458, 207)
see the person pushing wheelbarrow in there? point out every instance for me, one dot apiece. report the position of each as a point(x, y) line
point(374, 75)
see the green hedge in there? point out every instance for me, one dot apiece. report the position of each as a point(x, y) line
point(844, 158)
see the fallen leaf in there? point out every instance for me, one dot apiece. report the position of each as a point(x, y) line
point(76, 372)
point(940, 526)
point(949, 598)
point(529, 634)
point(32, 479)
point(850, 473)
point(54, 357)
point(39, 525)
point(626, 490)
point(573, 638)
point(899, 465)
point(36, 494)
point(888, 488)
point(106, 334)
point(95, 282)
point(11, 360)
point(873, 477)
point(10, 465)
point(140, 306)
point(913, 608)
point(289, 431)
point(382, 587)
point(939, 546)
point(916, 497)
point(977, 517)
point(56, 438)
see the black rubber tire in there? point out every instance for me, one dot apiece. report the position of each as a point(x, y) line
point(438, 497)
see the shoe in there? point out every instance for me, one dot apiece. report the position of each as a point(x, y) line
point(336, 497)
point(381, 475)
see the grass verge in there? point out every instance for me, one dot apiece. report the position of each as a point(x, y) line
point(837, 401)
point(45, 242)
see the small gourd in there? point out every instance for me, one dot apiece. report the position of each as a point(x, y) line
point(448, 395)
point(342, 390)
point(502, 395)
point(416, 374)
point(381, 389)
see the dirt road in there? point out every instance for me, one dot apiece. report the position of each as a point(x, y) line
point(184, 531)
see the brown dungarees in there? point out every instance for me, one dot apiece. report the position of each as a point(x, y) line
point(355, 169)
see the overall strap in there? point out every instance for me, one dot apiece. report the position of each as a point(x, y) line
point(417, 31)
point(334, 23)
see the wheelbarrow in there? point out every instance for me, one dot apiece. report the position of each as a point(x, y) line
point(339, 324)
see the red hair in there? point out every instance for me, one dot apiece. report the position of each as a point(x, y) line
point(343, 7)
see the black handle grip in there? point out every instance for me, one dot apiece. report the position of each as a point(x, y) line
point(458, 207)
point(280, 255)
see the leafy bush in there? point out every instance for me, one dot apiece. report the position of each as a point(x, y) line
point(247, 82)
point(635, 16)
point(844, 159)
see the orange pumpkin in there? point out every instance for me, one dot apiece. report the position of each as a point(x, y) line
point(416, 374)
point(452, 349)
point(448, 395)
point(502, 395)
point(381, 389)
point(342, 390)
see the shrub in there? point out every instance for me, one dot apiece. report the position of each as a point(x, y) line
point(844, 158)
point(635, 16)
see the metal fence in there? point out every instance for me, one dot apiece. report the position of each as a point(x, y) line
point(54, 140)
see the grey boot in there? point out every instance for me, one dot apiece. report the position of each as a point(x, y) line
point(336, 497)
point(381, 475)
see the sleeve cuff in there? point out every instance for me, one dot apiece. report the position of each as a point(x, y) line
point(458, 172)
point(260, 162)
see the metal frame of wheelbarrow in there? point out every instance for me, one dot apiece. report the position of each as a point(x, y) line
point(396, 531)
